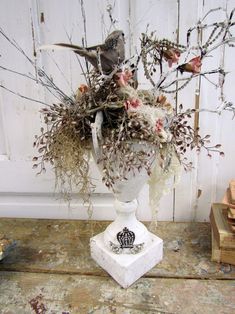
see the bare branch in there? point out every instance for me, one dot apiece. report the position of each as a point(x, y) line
point(23, 96)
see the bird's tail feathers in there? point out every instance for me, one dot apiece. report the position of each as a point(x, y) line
point(61, 46)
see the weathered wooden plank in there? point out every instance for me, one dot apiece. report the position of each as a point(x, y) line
point(161, 17)
point(227, 126)
point(62, 246)
point(43, 293)
point(185, 191)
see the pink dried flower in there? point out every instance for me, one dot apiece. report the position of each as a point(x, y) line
point(83, 88)
point(159, 125)
point(171, 56)
point(132, 103)
point(196, 64)
point(193, 66)
point(124, 77)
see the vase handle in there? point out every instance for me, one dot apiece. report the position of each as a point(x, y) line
point(97, 134)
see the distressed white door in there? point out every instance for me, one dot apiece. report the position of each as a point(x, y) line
point(34, 22)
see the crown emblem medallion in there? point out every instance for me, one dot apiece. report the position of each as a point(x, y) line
point(126, 239)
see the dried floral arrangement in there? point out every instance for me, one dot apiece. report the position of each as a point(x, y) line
point(129, 114)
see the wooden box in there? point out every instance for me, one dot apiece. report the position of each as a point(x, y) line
point(223, 239)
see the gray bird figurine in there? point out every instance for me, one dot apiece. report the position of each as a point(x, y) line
point(107, 55)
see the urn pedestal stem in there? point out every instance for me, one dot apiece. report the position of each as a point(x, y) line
point(126, 249)
point(126, 219)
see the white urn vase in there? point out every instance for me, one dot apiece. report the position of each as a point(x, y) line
point(126, 249)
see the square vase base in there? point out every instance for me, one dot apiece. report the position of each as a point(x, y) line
point(127, 268)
